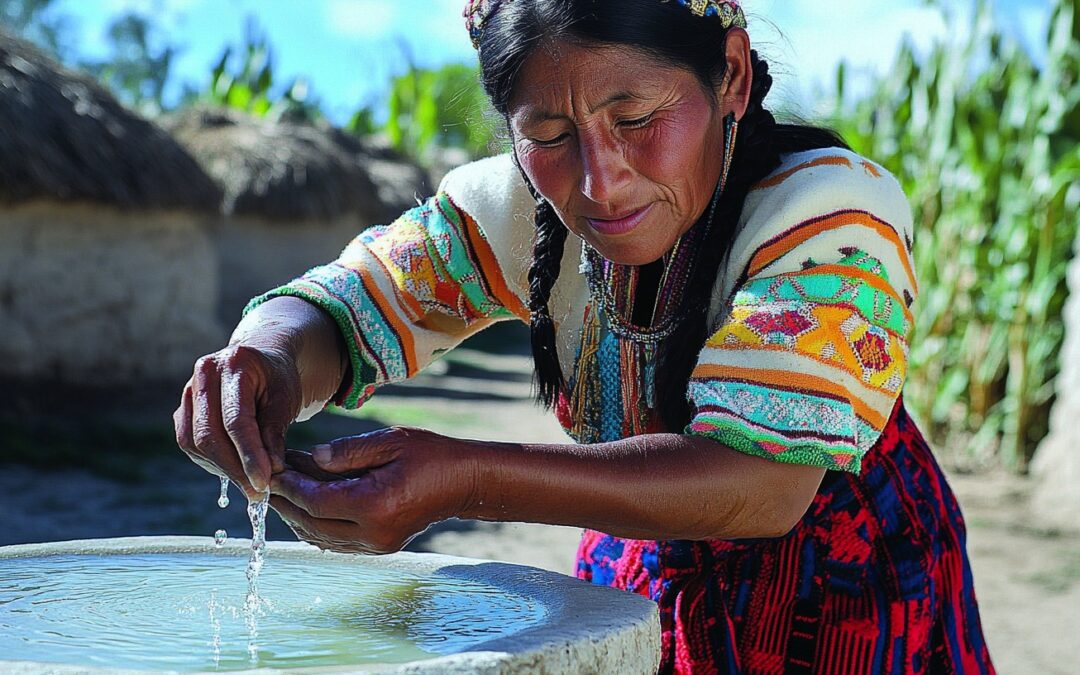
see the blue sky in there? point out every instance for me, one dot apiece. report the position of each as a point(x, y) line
point(349, 49)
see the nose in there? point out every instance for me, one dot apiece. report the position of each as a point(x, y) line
point(604, 171)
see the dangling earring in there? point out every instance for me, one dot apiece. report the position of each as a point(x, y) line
point(731, 128)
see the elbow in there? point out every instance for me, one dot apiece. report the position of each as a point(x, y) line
point(774, 512)
point(771, 521)
point(784, 521)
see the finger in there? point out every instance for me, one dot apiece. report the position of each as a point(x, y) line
point(182, 421)
point(298, 460)
point(211, 441)
point(332, 499)
point(288, 513)
point(336, 535)
point(238, 419)
point(273, 438)
point(356, 453)
point(203, 464)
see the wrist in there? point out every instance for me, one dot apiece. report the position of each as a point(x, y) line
point(302, 338)
point(481, 497)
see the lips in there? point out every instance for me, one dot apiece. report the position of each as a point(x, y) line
point(620, 225)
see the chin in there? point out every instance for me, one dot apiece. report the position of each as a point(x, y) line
point(627, 254)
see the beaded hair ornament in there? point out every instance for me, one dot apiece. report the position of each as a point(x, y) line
point(477, 13)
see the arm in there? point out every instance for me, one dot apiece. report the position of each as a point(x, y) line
point(393, 483)
point(396, 298)
point(307, 335)
point(658, 486)
point(285, 358)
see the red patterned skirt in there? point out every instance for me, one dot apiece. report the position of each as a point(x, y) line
point(874, 579)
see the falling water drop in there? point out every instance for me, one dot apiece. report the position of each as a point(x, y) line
point(219, 538)
point(223, 500)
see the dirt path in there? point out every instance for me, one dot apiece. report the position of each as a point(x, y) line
point(1028, 584)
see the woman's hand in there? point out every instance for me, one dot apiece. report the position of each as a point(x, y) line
point(391, 485)
point(234, 412)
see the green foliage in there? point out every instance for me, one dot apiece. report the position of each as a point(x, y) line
point(136, 71)
point(985, 144)
point(432, 109)
point(243, 79)
point(37, 21)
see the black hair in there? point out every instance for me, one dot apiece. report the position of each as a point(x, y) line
point(672, 34)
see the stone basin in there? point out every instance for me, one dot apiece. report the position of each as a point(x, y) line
point(571, 626)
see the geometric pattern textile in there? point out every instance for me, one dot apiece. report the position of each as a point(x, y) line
point(405, 293)
point(812, 354)
point(874, 579)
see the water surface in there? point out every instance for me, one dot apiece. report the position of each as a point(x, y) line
point(187, 612)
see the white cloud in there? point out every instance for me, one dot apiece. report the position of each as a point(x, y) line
point(361, 18)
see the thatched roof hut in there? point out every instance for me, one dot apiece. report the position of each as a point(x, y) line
point(107, 269)
point(63, 137)
point(286, 171)
point(295, 194)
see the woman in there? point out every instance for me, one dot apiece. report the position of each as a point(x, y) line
point(719, 308)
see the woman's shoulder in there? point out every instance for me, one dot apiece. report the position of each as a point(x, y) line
point(816, 183)
point(820, 206)
point(492, 192)
point(820, 191)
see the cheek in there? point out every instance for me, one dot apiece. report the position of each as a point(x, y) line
point(550, 172)
point(672, 151)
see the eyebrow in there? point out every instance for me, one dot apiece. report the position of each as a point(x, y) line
point(618, 97)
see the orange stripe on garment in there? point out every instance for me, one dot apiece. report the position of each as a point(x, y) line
point(789, 381)
point(401, 328)
point(829, 160)
point(409, 302)
point(777, 247)
point(489, 266)
point(869, 278)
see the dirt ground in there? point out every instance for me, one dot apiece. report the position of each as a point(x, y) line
point(1027, 582)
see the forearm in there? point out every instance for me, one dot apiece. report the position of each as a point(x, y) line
point(304, 334)
point(658, 486)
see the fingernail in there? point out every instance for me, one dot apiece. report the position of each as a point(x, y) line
point(322, 453)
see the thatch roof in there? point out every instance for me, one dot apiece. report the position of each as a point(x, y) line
point(292, 171)
point(64, 137)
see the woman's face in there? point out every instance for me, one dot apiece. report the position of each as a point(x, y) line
point(626, 148)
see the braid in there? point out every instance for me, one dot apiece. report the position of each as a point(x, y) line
point(544, 271)
point(758, 149)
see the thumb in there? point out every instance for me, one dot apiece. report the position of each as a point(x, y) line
point(354, 453)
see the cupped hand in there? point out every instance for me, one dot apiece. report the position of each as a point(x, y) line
point(234, 412)
point(388, 486)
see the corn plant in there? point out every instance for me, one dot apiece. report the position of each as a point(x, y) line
point(428, 109)
point(985, 144)
point(243, 79)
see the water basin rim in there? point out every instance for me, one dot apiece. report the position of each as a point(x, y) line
point(580, 616)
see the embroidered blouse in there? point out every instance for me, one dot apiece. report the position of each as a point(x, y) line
point(809, 320)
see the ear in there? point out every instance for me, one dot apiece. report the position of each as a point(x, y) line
point(734, 92)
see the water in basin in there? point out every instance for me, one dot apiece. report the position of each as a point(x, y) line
point(187, 612)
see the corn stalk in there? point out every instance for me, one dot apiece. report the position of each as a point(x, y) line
point(985, 144)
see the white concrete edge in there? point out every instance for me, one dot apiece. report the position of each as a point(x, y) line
point(587, 626)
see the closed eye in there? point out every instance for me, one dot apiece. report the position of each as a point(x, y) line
point(637, 123)
point(549, 143)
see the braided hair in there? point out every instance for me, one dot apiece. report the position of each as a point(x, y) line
point(675, 36)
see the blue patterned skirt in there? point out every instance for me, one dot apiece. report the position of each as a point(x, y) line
point(874, 579)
